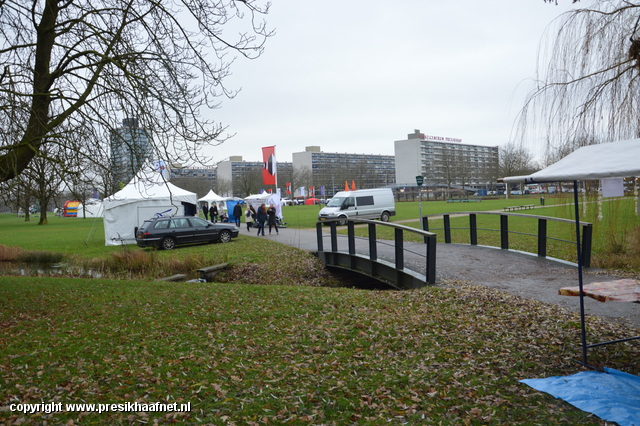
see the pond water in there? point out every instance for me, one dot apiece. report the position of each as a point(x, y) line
point(46, 270)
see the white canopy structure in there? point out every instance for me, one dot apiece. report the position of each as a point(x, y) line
point(142, 199)
point(92, 208)
point(257, 199)
point(211, 197)
point(603, 161)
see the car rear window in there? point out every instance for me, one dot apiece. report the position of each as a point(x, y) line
point(161, 224)
point(179, 223)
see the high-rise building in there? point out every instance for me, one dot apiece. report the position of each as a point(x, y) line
point(331, 170)
point(130, 149)
point(444, 161)
point(244, 178)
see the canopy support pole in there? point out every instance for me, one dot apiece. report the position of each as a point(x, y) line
point(583, 329)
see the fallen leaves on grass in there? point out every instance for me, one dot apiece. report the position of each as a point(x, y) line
point(282, 354)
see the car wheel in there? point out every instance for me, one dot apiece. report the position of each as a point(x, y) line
point(342, 220)
point(225, 236)
point(168, 243)
point(384, 217)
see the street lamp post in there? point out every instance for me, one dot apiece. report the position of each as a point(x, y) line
point(420, 181)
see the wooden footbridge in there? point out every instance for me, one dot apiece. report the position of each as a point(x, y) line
point(383, 260)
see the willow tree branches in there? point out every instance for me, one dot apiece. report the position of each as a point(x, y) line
point(588, 80)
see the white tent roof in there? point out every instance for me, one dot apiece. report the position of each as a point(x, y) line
point(212, 197)
point(258, 197)
point(602, 161)
point(154, 188)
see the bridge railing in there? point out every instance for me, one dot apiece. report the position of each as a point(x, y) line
point(542, 234)
point(399, 239)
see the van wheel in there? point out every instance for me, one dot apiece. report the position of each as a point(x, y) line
point(384, 217)
point(342, 220)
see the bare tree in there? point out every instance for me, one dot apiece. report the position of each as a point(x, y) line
point(515, 160)
point(93, 62)
point(588, 83)
point(250, 182)
point(223, 187)
point(46, 180)
point(196, 185)
point(17, 195)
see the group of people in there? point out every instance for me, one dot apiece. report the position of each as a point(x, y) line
point(210, 212)
point(261, 216)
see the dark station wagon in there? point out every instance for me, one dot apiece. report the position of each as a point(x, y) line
point(168, 232)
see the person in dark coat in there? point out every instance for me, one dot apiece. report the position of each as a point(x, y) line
point(237, 213)
point(273, 220)
point(262, 218)
point(205, 211)
point(213, 212)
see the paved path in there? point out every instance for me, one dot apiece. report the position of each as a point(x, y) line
point(517, 273)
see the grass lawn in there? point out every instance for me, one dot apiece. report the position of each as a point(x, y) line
point(251, 354)
point(301, 350)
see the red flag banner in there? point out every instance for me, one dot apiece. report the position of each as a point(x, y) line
point(269, 165)
point(288, 187)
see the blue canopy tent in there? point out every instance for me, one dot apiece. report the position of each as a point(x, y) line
point(608, 160)
point(230, 205)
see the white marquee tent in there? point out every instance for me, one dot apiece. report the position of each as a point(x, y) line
point(211, 197)
point(619, 159)
point(141, 199)
point(92, 208)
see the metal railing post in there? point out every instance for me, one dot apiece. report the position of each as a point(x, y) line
point(334, 237)
point(504, 231)
point(431, 260)
point(447, 229)
point(319, 237)
point(399, 249)
point(587, 235)
point(351, 237)
point(473, 229)
point(373, 242)
point(542, 237)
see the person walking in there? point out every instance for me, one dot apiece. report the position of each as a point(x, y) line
point(205, 211)
point(273, 220)
point(249, 215)
point(213, 212)
point(261, 216)
point(237, 213)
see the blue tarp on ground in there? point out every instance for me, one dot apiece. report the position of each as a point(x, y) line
point(613, 396)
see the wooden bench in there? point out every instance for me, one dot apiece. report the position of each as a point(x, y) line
point(209, 272)
point(524, 207)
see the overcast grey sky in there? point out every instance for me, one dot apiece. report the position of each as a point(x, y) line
point(353, 76)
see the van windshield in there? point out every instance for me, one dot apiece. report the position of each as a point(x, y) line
point(336, 202)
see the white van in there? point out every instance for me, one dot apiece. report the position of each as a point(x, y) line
point(360, 204)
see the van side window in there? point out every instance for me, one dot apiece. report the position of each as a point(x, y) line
point(349, 202)
point(365, 201)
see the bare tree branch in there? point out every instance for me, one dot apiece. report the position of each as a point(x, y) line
point(95, 62)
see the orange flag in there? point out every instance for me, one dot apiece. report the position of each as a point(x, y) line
point(346, 185)
point(353, 185)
